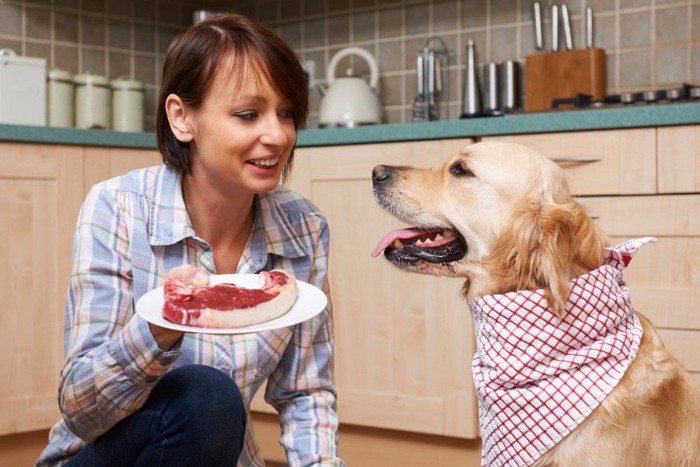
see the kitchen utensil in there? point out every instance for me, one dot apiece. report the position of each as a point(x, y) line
point(492, 105)
point(350, 101)
point(92, 101)
point(563, 74)
point(22, 89)
point(566, 23)
point(127, 104)
point(589, 27)
point(471, 106)
point(60, 99)
point(510, 86)
point(431, 100)
point(420, 106)
point(537, 22)
point(555, 28)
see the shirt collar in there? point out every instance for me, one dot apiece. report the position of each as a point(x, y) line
point(273, 231)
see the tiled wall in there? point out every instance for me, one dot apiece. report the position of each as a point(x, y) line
point(650, 44)
point(107, 37)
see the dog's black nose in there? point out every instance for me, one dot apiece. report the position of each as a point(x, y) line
point(380, 173)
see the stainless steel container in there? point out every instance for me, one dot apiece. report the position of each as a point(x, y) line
point(92, 101)
point(60, 98)
point(127, 104)
point(510, 86)
point(491, 89)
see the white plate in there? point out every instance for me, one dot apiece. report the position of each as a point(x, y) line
point(310, 301)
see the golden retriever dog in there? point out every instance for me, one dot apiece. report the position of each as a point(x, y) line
point(501, 217)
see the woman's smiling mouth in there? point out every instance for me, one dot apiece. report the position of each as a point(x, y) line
point(265, 163)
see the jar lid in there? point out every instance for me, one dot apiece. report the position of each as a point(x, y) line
point(124, 83)
point(90, 79)
point(56, 74)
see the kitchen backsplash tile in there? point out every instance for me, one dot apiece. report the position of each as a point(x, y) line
point(650, 44)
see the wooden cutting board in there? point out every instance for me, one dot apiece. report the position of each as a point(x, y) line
point(557, 75)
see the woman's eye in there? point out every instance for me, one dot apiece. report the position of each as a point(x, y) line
point(247, 116)
point(287, 114)
point(459, 170)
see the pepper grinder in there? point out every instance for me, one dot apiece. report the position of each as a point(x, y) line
point(471, 106)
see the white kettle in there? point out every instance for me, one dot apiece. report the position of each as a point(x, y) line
point(349, 101)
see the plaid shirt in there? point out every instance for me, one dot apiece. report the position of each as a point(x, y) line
point(131, 231)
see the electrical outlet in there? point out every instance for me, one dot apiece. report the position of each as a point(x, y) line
point(310, 68)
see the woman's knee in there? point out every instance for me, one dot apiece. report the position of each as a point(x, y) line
point(203, 395)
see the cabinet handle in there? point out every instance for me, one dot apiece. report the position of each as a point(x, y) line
point(575, 160)
point(594, 216)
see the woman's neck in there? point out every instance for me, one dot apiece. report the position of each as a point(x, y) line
point(223, 220)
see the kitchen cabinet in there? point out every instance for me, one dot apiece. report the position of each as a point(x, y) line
point(403, 341)
point(41, 189)
point(39, 201)
point(657, 193)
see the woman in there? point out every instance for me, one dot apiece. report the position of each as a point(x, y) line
point(131, 393)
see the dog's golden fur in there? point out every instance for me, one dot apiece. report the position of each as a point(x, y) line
point(523, 230)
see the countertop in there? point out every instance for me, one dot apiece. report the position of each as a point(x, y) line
point(520, 123)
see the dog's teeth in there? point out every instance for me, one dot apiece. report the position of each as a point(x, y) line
point(438, 237)
point(397, 244)
point(420, 242)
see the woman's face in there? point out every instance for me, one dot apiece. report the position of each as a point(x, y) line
point(243, 135)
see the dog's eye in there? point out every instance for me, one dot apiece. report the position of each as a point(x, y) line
point(459, 170)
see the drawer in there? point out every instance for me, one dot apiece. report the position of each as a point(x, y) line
point(664, 276)
point(679, 159)
point(600, 162)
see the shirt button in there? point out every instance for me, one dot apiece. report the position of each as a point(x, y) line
point(151, 379)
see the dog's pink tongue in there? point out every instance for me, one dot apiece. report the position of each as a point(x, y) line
point(393, 235)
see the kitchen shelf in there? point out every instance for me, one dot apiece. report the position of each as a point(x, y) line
point(511, 124)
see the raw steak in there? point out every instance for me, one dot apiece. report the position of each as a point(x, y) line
point(190, 301)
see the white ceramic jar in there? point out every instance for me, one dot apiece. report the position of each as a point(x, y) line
point(92, 101)
point(127, 104)
point(60, 99)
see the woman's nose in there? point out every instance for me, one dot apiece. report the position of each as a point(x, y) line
point(275, 131)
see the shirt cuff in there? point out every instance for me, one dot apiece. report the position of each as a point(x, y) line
point(137, 352)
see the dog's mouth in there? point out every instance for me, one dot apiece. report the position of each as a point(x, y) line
point(434, 245)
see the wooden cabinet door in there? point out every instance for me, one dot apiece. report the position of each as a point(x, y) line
point(104, 163)
point(663, 277)
point(679, 159)
point(403, 341)
point(40, 195)
point(609, 162)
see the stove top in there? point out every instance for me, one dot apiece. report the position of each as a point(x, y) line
point(687, 93)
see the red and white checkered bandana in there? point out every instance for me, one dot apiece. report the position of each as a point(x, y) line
point(539, 376)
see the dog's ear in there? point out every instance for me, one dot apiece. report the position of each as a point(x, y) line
point(545, 245)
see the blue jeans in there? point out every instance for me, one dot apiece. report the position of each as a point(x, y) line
point(194, 416)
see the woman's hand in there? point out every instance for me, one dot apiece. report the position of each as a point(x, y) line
point(165, 338)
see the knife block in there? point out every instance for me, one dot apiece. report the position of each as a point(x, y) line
point(557, 75)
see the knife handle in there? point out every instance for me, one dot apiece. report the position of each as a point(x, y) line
point(589, 27)
point(537, 22)
point(555, 28)
point(566, 22)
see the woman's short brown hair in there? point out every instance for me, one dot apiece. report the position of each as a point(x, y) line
point(197, 54)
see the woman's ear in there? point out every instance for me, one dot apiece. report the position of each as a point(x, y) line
point(178, 114)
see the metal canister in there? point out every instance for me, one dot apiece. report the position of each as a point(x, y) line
point(92, 101)
point(127, 104)
point(59, 97)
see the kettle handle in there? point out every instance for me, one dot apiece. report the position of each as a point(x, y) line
point(373, 68)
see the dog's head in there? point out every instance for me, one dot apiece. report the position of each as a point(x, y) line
point(499, 215)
